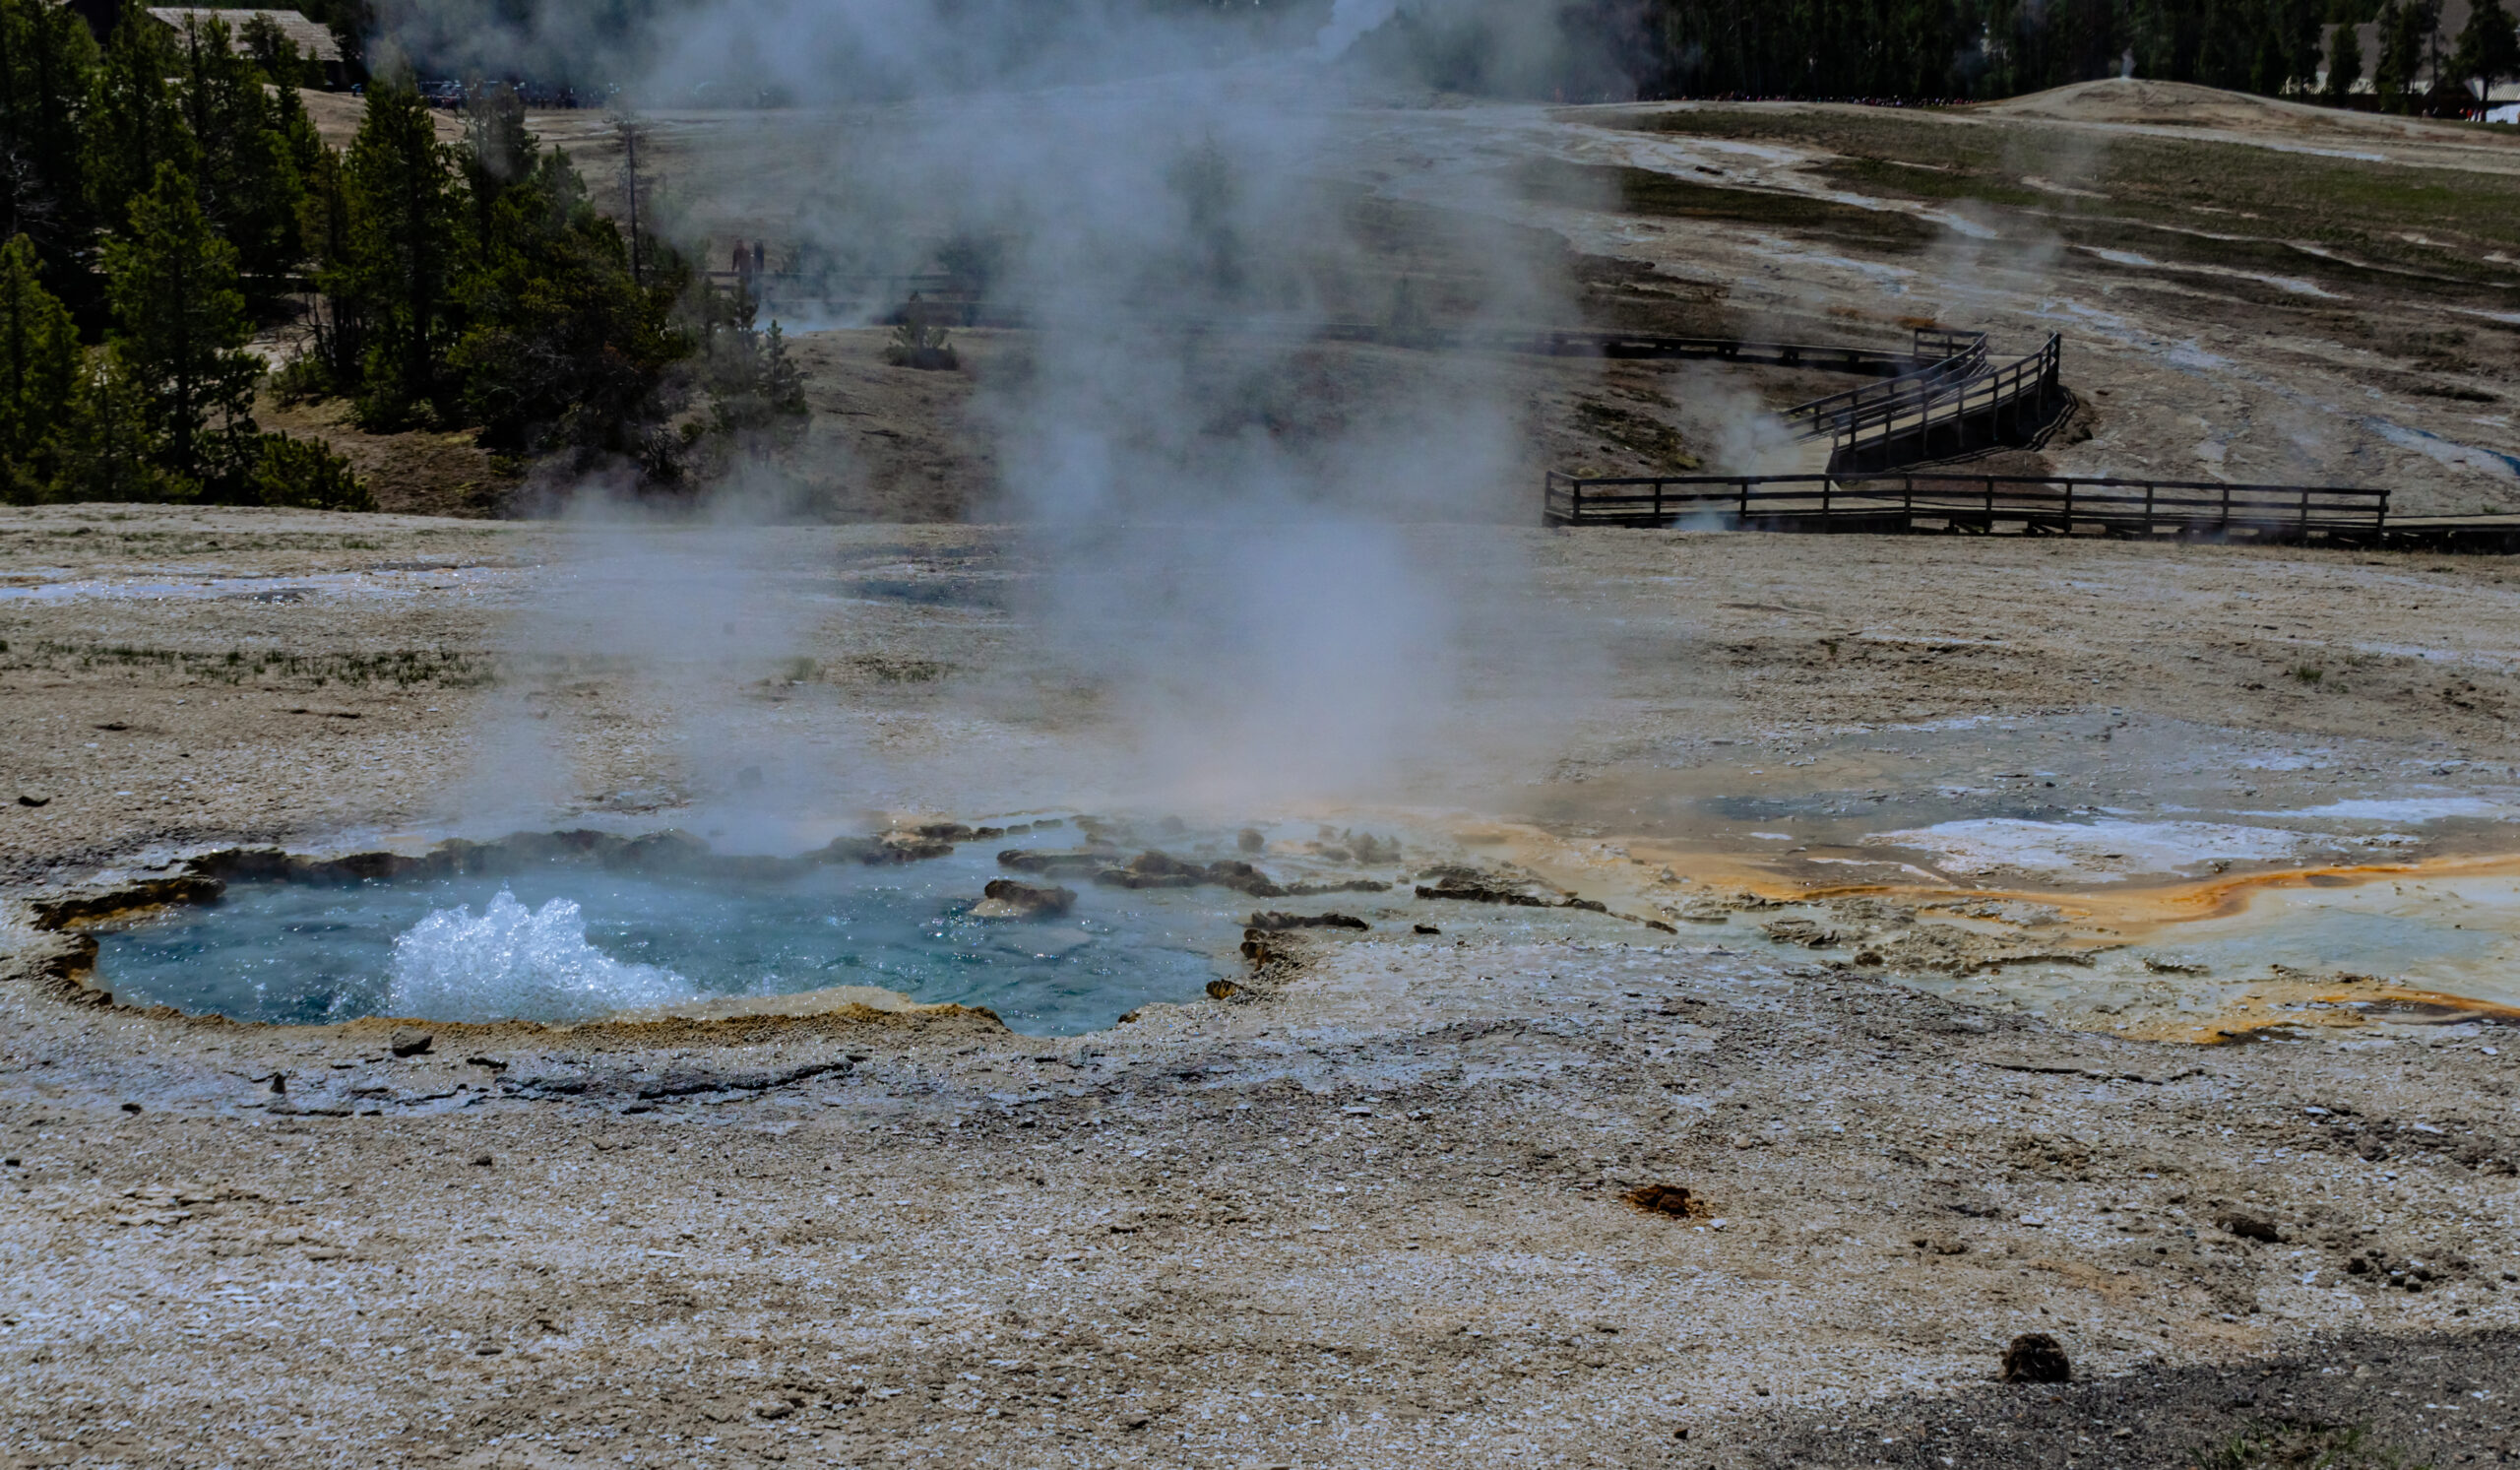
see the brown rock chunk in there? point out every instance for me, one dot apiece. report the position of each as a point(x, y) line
point(1664, 1199)
point(2036, 1358)
point(1005, 898)
point(898, 845)
point(1271, 923)
point(2252, 1228)
point(408, 1042)
point(1025, 860)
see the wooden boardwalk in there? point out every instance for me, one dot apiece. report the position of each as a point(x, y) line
point(1965, 406)
point(2015, 505)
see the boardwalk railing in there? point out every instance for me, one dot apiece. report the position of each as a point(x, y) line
point(1979, 504)
point(1946, 358)
point(1928, 417)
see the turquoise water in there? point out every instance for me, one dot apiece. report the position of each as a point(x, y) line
point(567, 942)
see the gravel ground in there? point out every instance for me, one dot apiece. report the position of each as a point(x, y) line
point(1367, 1210)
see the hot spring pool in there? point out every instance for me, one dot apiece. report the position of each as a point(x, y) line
point(565, 941)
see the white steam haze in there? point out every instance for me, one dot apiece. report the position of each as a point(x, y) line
point(1351, 20)
point(1264, 613)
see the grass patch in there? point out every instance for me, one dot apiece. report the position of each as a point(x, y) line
point(2167, 197)
point(1650, 439)
point(864, 668)
point(2294, 1446)
point(406, 669)
point(1644, 192)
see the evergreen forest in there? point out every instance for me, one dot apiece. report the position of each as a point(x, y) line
point(1937, 50)
point(176, 242)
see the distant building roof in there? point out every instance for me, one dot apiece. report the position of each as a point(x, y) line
point(312, 40)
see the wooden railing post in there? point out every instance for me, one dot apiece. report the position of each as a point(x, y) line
point(1575, 511)
point(1743, 518)
point(2226, 527)
point(2069, 507)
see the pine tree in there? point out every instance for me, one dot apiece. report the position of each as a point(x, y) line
point(567, 348)
point(40, 377)
point(114, 451)
point(47, 64)
point(397, 267)
point(249, 184)
point(2488, 48)
point(180, 335)
point(2407, 28)
point(2343, 64)
point(337, 322)
point(499, 151)
point(276, 55)
point(135, 121)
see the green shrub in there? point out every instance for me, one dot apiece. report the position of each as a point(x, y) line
point(306, 474)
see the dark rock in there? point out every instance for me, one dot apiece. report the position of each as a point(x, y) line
point(1159, 869)
point(1005, 898)
point(1272, 922)
point(411, 1043)
point(1223, 989)
point(1664, 1199)
point(131, 1106)
point(1424, 928)
point(2252, 1228)
point(481, 1160)
point(1802, 931)
point(1081, 860)
point(1479, 893)
point(1249, 840)
point(1154, 870)
point(25, 800)
point(2037, 1358)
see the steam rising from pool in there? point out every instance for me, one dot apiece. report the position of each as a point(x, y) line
point(516, 961)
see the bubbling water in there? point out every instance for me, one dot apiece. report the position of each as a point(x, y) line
point(513, 961)
point(568, 941)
